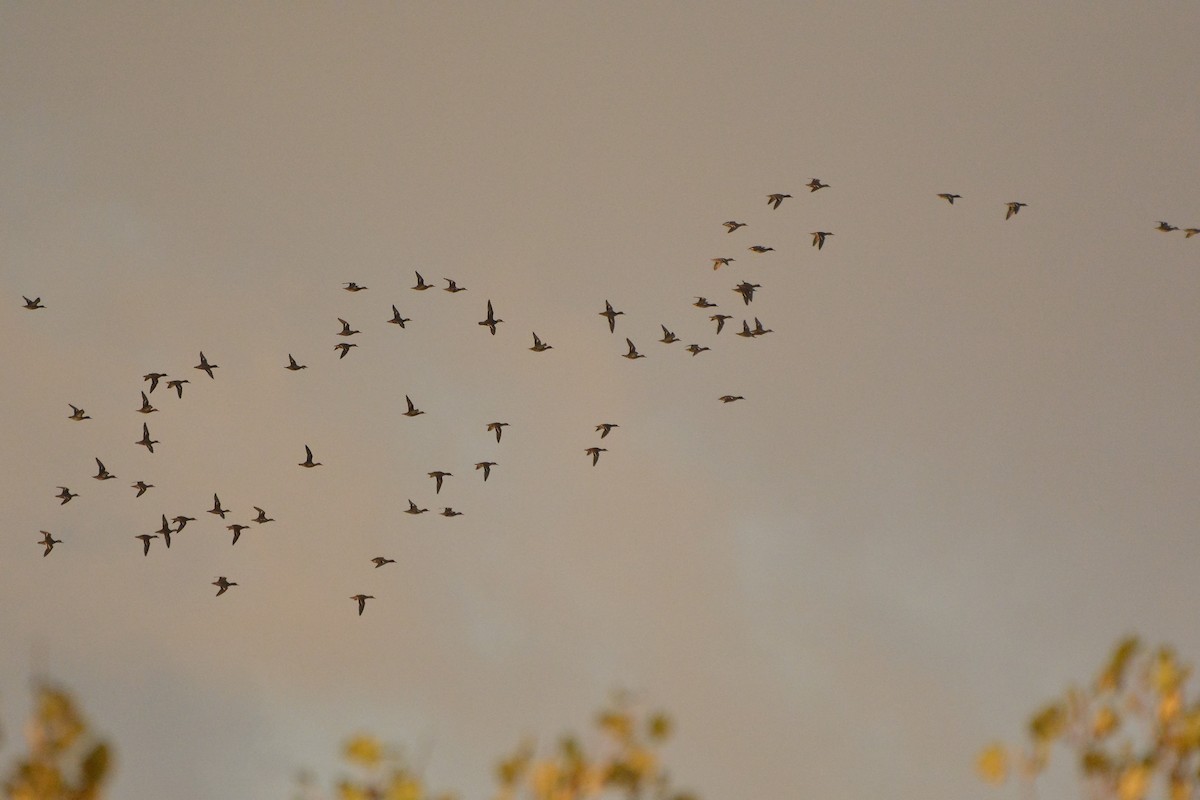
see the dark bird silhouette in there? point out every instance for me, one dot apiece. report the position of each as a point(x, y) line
point(758, 248)
point(605, 427)
point(746, 290)
point(633, 353)
point(720, 320)
point(222, 585)
point(262, 516)
point(1013, 208)
point(732, 225)
point(538, 345)
point(729, 398)
point(33, 304)
point(486, 466)
point(49, 541)
point(450, 512)
point(1166, 227)
point(438, 475)
point(204, 365)
point(412, 508)
point(178, 386)
point(497, 427)
point(379, 561)
point(146, 537)
point(612, 316)
point(491, 322)
point(308, 461)
point(77, 414)
point(696, 349)
point(702, 302)
point(237, 530)
point(397, 319)
point(595, 452)
point(65, 495)
point(141, 487)
point(165, 532)
point(819, 238)
point(412, 410)
point(421, 284)
point(181, 522)
point(354, 287)
point(759, 330)
point(668, 336)
point(722, 262)
point(453, 287)
point(344, 347)
point(146, 441)
point(815, 184)
point(1190, 232)
point(745, 331)
point(102, 474)
point(293, 366)
point(146, 407)
point(775, 199)
point(154, 378)
point(216, 509)
point(949, 198)
point(346, 330)
point(362, 601)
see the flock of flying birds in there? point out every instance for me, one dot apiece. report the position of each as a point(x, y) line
point(744, 289)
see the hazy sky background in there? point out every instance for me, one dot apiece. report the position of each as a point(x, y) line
point(965, 465)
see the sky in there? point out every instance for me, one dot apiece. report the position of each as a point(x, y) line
point(965, 464)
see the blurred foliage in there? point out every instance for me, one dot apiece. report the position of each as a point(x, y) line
point(65, 761)
point(1134, 732)
point(620, 759)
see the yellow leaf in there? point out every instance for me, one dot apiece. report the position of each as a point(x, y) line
point(1180, 789)
point(403, 788)
point(659, 727)
point(1048, 723)
point(1105, 722)
point(992, 764)
point(364, 750)
point(1114, 674)
point(1166, 675)
point(1132, 783)
point(1168, 707)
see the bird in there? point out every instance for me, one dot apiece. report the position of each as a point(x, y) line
point(154, 378)
point(595, 452)
point(77, 414)
point(668, 336)
point(606, 427)
point(732, 225)
point(146, 407)
point(815, 184)
point(819, 238)
point(696, 349)
point(702, 302)
point(346, 331)
point(33, 304)
point(293, 366)
point(720, 320)
point(758, 248)
point(204, 365)
point(722, 262)
point(216, 509)
point(450, 512)
point(237, 530)
point(776, 199)
point(65, 495)
point(759, 330)
point(146, 537)
point(949, 198)
point(102, 474)
point(308, 461)
point(412, 508)
point(746, 290)
point(1165, 227)
point(354, 287)
point(491, 322)
point(1013, 208)
point(362, 601)
point(421, 284)
point(262, 516)
point(412, 410)
point(745, 331)
point(165, 531)
point(539, 345)
point(222, 585)
point(397, 319)
point(486, 466)
point(379, 561)
point(141, 487)
point(612, 316)
point(146, 441)
point(729, 398)
point(633, 353)
point(344, 347)
point(1190, 232)
point(178, 386)
point(453, 287)
point(181, 522)
point(49, 541)
point(438, 475)
point(497, 427)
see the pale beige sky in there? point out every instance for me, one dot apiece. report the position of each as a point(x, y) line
point(965, 464)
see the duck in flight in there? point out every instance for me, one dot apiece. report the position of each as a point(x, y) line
point(222, 585)
point(146, 537)
point(178, 386)
point(729, 398)
point(450, 512)
point(759, 330)
point(949, 198)
point(486, 466)
point(1165, 227)
point(491, 322)
point(702, 302)
point(668, 336)
point(775, 199)
point(595, 452)
point(1013, 208)
point(696, 349)
point(33, 304)
point(412, 410)
point(1190, 232)
point(758, 248)
point(344, 347)
point(308, 461)
point(146, 441)
point(438, 475)
point(605, 427)
point(733, 225)
point(237, 530)
point(216, 509)
point(154, 378)
point(397, 319)
point(77, 414)
point(181, 522)
point(354, 287)
point(745, 331)
point(497, 427)
point(819, 238)
point(204, 365)
point(538, 345)
point(612, 316)
point(746, 290)
point(412, 508)
point(262, 517)
point(633, 353)
point(720, 320)
point(362, 601)
point(141, 487)
point(346, 331)
point(146, 407)
point(421, 284)
point(293, 366)
point(49, 541)
point(102, 474)
point(815, 184)
point(165, 532)
point(379, 561)
point(722, 262)
point(453, 287)
point(65, 495)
